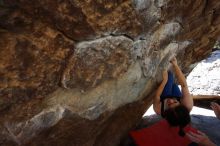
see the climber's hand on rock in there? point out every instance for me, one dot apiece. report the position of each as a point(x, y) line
point(173, 61)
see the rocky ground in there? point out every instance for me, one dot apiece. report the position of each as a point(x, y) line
point(205, 77)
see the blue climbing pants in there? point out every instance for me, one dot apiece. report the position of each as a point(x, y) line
point(171, 89)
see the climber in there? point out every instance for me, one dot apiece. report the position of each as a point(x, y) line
point(168, 94)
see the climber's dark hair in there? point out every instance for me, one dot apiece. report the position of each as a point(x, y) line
point(178, 116)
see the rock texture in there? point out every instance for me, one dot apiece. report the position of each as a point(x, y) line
point(82, 73)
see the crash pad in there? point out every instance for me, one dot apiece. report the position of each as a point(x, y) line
point(162, 134)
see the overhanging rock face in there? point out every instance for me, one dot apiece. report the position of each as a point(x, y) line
point(82, 73)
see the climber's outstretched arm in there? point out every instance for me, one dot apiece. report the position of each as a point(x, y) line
point(156, 102)
point(186, 100)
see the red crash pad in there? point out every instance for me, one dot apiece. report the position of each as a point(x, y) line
point(161, 134)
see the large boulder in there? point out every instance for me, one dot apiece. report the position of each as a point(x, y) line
point(82, 73)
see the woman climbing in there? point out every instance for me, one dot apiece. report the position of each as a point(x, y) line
point(168, 95)
point(170, 102)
